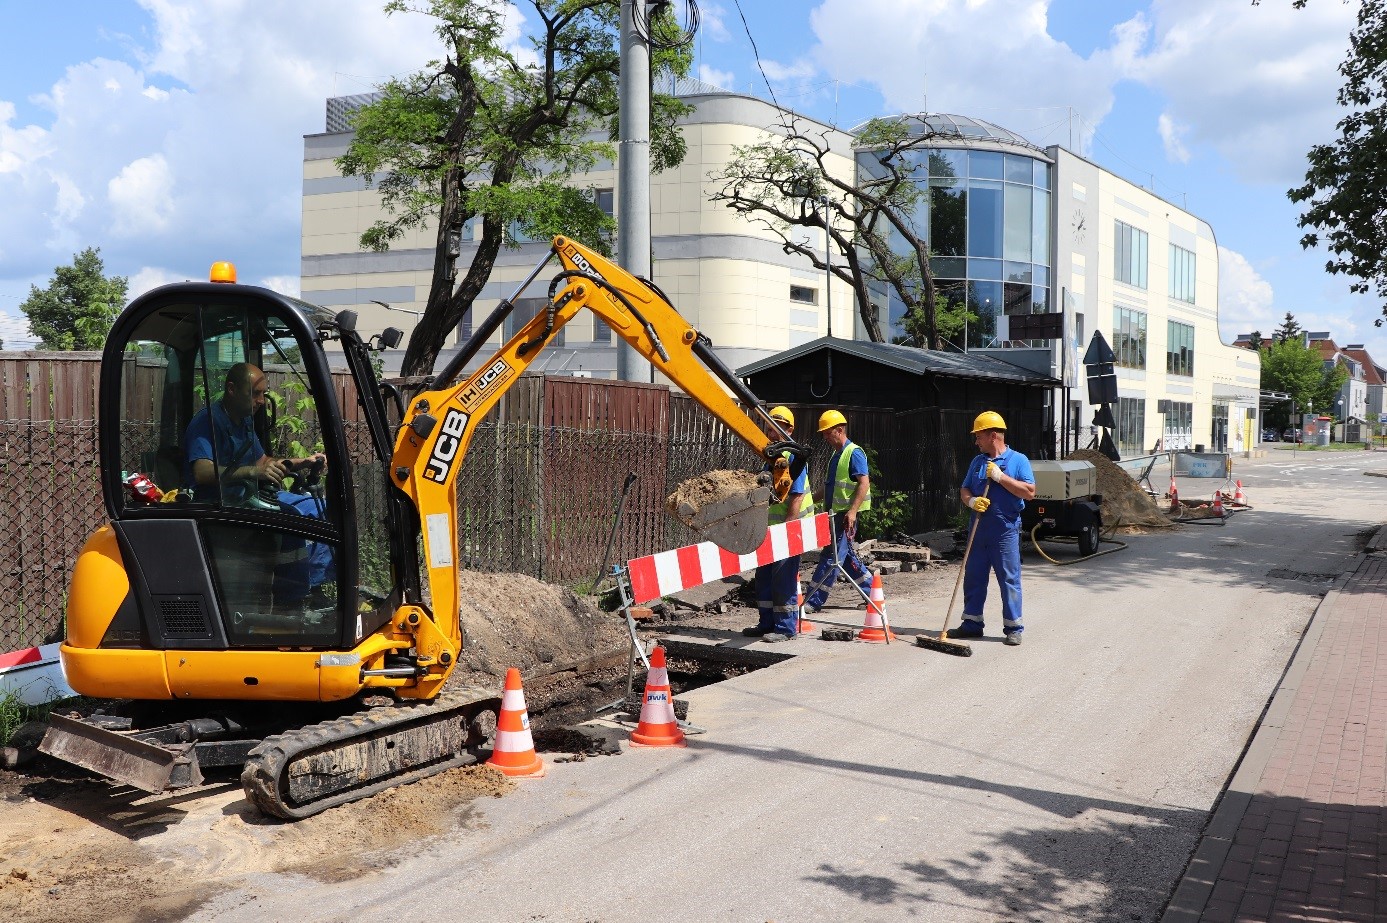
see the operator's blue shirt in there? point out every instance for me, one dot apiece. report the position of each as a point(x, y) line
point(1005, 511)
point(235, 445)
point(857, 468)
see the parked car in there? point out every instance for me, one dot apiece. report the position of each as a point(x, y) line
point(1292, 435)
point(1269, 434)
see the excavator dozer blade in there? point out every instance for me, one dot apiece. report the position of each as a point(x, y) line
point(139, 764)
point(728, 513)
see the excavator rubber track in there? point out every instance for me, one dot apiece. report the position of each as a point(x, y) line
point(301, 772)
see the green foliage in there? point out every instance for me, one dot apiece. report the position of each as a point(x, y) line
point(295, 407)
point(1298, 370)
point(890, 512)
point(77, 308)
point(1290, 329)
point(1344, 195)
point(1254, 341)
point(497, 133)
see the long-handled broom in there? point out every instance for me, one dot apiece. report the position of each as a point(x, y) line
point(942, 643)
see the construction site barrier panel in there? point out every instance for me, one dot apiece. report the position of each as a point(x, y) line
point(1203, 464)
point(668, 572)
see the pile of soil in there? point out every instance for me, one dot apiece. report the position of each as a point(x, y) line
point(511, 620)
point(707, 489)
point(1124, 502)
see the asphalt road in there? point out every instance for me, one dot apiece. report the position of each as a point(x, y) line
point(1067, 779)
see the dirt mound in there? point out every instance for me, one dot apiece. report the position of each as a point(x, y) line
point(511, 620)
point(707, 489)
point(1124, 502)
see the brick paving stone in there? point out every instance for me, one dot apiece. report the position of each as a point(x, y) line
point(1311, 842)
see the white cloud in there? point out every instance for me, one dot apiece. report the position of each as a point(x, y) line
point(716, 77)
point(1256, 83)
point(801, 69)
point(14, 331)
point(147, 278)
point(141, 196)
point(1171, 135)
point(712, 22)
point(966, 56)
point(1246, 301)
point(285, 285)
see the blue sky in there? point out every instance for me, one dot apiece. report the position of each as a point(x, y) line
point(169, 132)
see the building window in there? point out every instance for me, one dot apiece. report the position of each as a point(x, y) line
point(804, 294)
point(605, 201)
point(525, 311)
point(1129, 255)
point(1181, 274)
point(1179, 350)
point(1179, 427)
point(1131, 425)
point(1129, 338)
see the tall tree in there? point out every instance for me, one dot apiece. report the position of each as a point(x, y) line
point(77, 308)
point(1290, 329)
point(1344, 193)
point(495, 133)
point(786, 183)
point(1292, 367)
point(1254, 341)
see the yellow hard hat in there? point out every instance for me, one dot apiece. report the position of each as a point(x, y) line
point(783, 414)
point(988, 419)
point(831, 418)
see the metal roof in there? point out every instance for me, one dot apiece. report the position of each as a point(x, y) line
point(944, 125)
point(909, 359)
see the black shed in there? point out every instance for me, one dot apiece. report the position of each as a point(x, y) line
point(913, 407)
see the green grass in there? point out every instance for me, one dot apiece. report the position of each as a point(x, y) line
point(1303, 447)
point(13, 713)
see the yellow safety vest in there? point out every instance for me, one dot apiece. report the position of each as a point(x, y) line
point(844, 486)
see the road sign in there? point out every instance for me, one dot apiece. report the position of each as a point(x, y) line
point(1382, 418)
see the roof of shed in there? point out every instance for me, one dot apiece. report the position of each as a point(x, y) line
point(909, 359)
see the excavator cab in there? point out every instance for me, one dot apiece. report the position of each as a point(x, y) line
point(211, 377)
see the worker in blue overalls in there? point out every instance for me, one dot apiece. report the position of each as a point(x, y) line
point(777, 583)
point(848, 491)
point(998, 484)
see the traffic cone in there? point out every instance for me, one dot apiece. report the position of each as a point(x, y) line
point(1218, 504)
point(1238, 496)
point(804, 624)
point(657, 727)
point(1174, 494)
point(514, 753)
point(873, 628)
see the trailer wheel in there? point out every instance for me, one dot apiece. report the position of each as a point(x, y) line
point(1088, 539)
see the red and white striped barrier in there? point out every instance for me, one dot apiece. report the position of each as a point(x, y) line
point(34, 675)
point(668, 572)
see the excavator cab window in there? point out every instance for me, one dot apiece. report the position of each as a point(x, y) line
point(208, 390)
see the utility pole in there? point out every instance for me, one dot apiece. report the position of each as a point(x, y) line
point(633, 174)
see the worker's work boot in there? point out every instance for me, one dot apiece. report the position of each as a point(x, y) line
point(966, 629)
point(772, 637)
point(1013, 639)
point(754, 632)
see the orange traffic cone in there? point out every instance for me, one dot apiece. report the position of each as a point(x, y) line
point(1174, 494)
point(514, 753)
point(1238, 495)
point(1218, 504)
point(804, 624)
point(873, 628)
point(657, 727)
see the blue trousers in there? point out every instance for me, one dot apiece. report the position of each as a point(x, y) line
point(829, 574)
point(777, 596)
point(994, 551)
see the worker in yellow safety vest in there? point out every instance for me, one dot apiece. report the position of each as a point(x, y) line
point(777, 583)
point(848, 492)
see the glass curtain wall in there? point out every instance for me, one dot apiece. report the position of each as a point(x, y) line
point(986, 218)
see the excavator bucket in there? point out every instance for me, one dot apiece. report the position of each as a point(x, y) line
point(727, 508)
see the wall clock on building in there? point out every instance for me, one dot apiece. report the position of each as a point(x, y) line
point(1080, 225)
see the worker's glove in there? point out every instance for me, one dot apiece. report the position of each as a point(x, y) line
point(994, 472)
point(979, 504)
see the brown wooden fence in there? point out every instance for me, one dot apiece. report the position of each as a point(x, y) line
point(538, 489)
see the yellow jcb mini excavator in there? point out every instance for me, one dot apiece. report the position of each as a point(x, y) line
point(284, 627)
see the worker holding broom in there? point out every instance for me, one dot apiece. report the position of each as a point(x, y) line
point(998, 484)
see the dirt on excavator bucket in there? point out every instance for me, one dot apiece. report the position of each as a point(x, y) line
point(727, 508)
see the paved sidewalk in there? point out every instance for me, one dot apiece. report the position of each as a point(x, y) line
point(1301, 832)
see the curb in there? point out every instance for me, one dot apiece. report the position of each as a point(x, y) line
point(1197, 881)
